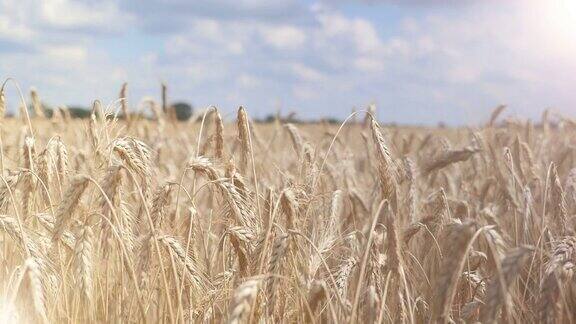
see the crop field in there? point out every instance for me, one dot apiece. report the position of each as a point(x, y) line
point(152, 220)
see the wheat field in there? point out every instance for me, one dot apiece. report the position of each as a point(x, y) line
point(150, 220)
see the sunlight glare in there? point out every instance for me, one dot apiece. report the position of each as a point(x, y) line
point(562, 18)
point(8, 313)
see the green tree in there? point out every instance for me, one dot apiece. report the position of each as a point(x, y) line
point(183, 110)
point(79, 112)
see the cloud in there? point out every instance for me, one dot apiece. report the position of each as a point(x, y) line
point(284, 37)
point(423, 3)
point(306, 73)
point(92, 16)
point(167, 16)
point(27, 18)
point(66, 53)
point(358, 31)
point(367, 64)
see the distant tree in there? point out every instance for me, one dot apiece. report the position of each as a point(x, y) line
point(45, 108)
point(269, 118)
point(79, 112)
point(48, 111)
point(332, 120)
point(183, 110)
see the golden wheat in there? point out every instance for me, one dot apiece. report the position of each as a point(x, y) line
point(105, 220)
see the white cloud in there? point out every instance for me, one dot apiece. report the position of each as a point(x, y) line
point(284, 37)
point(368, 64)
point(69, 53)
point(75, 16)
point(464, 74)
point(149, 58)
point(13, 30)
point(101, 14)
point(209, 35)
point(306, 73)
point(304, 92)
point(357, 31)
point(248, 81)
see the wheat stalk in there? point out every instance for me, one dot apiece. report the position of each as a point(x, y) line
point(70, 200)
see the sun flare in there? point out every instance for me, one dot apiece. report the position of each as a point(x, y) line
point(561, 17)
point(8, 313)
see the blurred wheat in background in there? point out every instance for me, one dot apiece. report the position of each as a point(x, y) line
point(137, 219)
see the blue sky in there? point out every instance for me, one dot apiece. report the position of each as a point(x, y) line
point(420, 61)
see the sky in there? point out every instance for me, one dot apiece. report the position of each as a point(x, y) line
point(419, 61)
